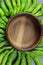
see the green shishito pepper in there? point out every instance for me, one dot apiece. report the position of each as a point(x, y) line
point(39, 53)
point(2, 39)
point(14, 6)
point(1, 35)
point(3, 43)
point(2, 56)
point(33, 6)
point(22, 5)
point(17, 62)
point(18, 5)
point(37, 8)
point(2, 26)
point(1, 12)
point(6, 57)
point(2, 31)
point(23, 61)
point(39, 13)
point(27, 5)
point(39, 49)
point(4, 18)
point(5, 48)
point(42, 9)
point(9, 62)
point(4, 8)
point(2, 15)
point(1, 21)
point(28, 58)
point(9, 5)
point(35, 58)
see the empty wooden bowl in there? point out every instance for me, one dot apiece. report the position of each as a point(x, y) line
point(23, 31)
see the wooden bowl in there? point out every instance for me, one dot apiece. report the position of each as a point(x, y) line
point(23, 31)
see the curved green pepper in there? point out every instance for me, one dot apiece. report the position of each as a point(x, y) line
point(33, 6)
point(1, 12)
point(28, 58)
point(39, 53)
point(27, 5)
point(18, 5)
point(37, 8)
point(39, 49)
point(2, 35)
point(3, 43)
point(4, 8)
point(9, 62)
point(2, 56)
point(39, 13)
point(23, 61)
point(22, 5)
point(35, 58)
point(5, 19)
point(14, 6)
point(2, 26)
point(2, 39)
point(42, 9)
point(5, 48)
point(17, 62)
point(2, 31)
point(1, 21)
point(6, 57)
point(8, 3)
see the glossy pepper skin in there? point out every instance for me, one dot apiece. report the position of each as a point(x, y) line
point(17, 62)
point(2, 31)
point(37, 8)
point(28, 58)
point(32, 6)
point(2, 26)
point(42, 9)
point(39, 49)
point(6, 57)
point(3, 43)
point(5, 19)
point(2, 56)
point(18, 5)
point(8, 3)
point(1, 21)
point(23, 60)
point(4, 8)
point(28, 2)
point(5, 48)
point(39, 53)
point(11, 57)
point(2, 39)
point(1, 12)
point(14, 6)
point(39, 13)
point(2, 35)
point(22, 5)
point(35, 58)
